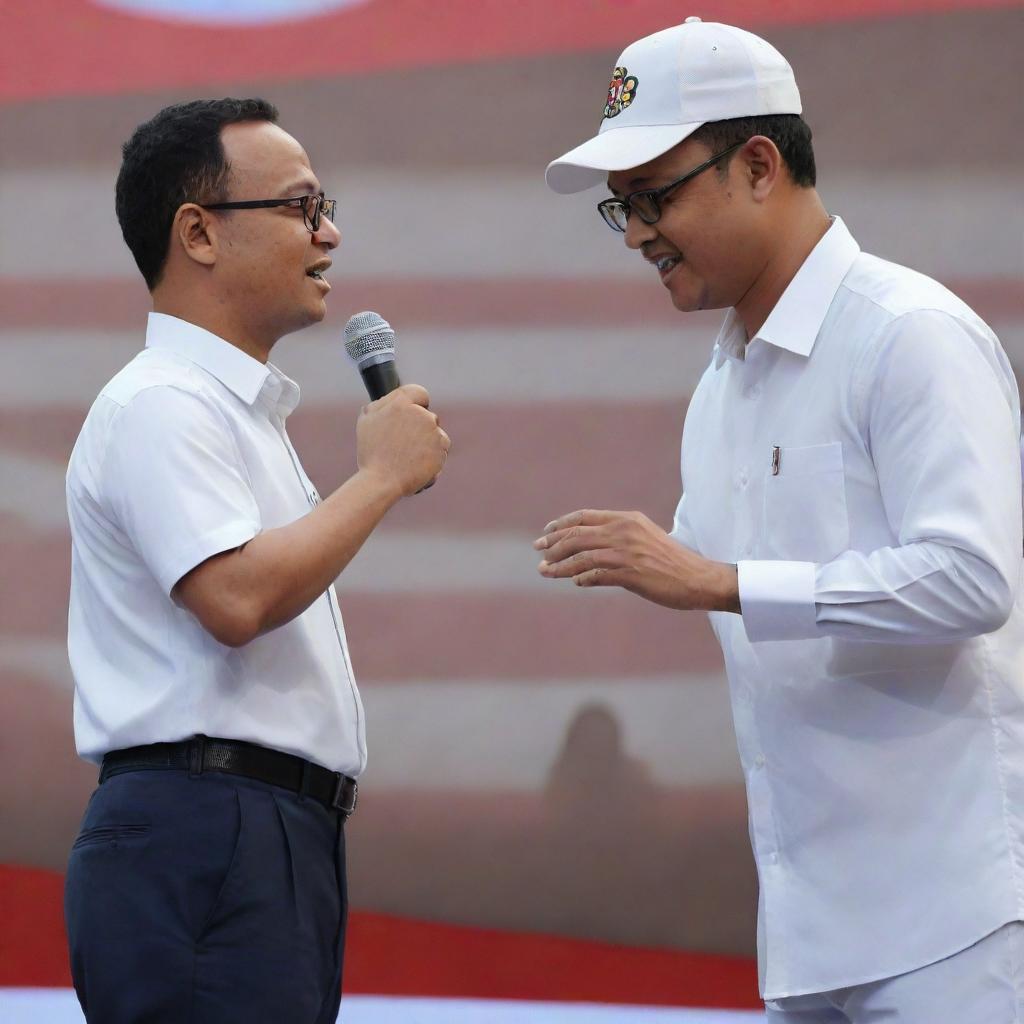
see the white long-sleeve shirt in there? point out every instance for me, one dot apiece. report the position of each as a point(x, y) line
point(859, 460)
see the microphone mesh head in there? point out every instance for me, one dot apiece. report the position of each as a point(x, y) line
point(368, 334)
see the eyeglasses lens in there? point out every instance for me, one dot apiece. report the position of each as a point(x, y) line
point(316, 207)
point(311, 212)
point(646, 207)
point(614, 214)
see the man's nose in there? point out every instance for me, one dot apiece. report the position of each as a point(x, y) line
point(637, 232)
point(328, 234)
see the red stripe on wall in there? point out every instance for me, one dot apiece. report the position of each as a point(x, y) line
point(514, 466)
point(396, 956)
point(90, 49)
point(488, 303)
point(406, 637)
point(444, 960)
point(122, 303)
point(401, 638)
point(33, 948)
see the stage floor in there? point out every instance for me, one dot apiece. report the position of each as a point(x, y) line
point(59, 1006)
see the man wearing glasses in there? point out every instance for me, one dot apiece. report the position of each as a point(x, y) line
point(852, 522)
point(212, 677)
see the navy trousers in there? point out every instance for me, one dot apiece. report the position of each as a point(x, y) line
point(207, 899)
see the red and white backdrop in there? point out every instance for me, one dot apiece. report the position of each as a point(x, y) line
point(553, 811)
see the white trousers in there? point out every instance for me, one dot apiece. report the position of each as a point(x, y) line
point(983, 984)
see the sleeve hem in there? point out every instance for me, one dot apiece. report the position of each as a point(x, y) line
point(777, 600)
point(224, 538)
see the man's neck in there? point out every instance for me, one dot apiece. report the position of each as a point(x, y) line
point(804, 225)
point(215, 320)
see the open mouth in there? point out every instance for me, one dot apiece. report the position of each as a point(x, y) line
point(317, 274)
point(666, 263)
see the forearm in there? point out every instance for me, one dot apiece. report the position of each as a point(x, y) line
point(279, 573)
point(290, 567)
point(920, 593)
point(915, 594)
point(721, 588)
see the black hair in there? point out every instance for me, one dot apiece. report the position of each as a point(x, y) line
point(790, 133)
point(176, 157)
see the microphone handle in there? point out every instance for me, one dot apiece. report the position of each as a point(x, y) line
point(380, 379)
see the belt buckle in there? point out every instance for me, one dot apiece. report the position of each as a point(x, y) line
point(339, 793)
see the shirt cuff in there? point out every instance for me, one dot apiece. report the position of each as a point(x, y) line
point(777, 600)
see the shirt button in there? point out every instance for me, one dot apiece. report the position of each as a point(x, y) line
point(741, 479)
point(754, 391)
point(759, 760)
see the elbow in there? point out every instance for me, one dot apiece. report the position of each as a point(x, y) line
point(233, 635)
point(979, 594)
point(232, 625)
point(988, 607)
point(224, 600)
point(997, 611)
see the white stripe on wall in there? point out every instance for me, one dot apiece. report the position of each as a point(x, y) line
point(467, 224)
point(44, 368)
point(508, 734)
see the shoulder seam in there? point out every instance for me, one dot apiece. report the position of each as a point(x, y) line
point(173, 385)
point(149, 386)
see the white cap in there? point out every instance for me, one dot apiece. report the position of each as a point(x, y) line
point(665, 86)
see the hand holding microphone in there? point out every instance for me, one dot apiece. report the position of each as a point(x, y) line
point(397, 435)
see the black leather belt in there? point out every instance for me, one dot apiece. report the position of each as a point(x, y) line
point(200, 754)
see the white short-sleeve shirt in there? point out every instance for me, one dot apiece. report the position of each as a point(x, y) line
point(859, 459)
point(183, 455)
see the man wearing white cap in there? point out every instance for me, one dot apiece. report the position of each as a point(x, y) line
point(852, 523)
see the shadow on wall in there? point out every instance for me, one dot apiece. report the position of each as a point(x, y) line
point(603, 852)
point(594, 779)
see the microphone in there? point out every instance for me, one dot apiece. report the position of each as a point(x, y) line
point(370, 344)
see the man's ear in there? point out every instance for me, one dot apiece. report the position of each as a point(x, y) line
point(195, 230)
point(763, 166)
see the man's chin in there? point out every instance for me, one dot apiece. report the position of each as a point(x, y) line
point(313, 313)
point(308, 316)
point(685, 303)
point(691, 301)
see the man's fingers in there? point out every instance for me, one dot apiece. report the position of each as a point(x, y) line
point(415, 393)
point(564, 543)
point(583, 517)
point(581, 562)
point(599, 577)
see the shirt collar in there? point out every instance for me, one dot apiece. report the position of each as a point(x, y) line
point(795, 321)
point(248, 378)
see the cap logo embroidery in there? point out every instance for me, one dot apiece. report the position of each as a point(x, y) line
point(621, 92)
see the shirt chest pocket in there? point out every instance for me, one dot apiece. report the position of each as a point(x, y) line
point(805, 516)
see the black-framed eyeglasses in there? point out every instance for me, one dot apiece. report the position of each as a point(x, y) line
point(647, 202)
point(313, 207)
